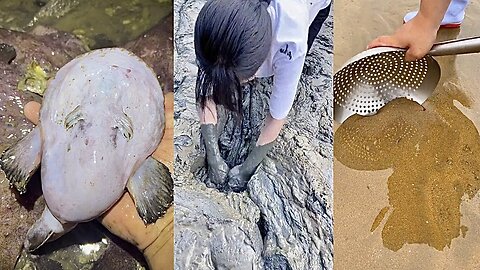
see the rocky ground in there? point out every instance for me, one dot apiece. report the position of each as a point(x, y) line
point(27, 60)
point(284, 220)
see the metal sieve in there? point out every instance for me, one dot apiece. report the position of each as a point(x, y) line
point(371, 79)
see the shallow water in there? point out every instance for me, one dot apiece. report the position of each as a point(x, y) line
point(17, 14)
point(98, 23)
point(406, 179)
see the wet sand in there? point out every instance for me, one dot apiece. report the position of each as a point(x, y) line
point(407, 179)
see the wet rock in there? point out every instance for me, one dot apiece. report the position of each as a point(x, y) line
point(51, 51)
point(41, 3)
point(155, 47)
point(102, 23)
point(16, 15)
point(18, 213)
point(277, 262)
point(47, 46)
point(7, 53)
point(217, 231)
point(55, 8)
point(294, 198)
point(88, 247)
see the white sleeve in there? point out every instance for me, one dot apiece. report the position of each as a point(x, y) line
point(291, 48)
point(285, 81)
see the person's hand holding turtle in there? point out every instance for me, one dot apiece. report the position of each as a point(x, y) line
point(154, 240)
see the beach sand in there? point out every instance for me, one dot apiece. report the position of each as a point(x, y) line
point(406, 180)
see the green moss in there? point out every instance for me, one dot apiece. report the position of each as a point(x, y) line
point(35, 79)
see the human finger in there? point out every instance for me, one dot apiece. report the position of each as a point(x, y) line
point(32, 111)
point(385, 41)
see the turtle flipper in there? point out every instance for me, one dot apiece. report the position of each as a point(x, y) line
point(151, 188)
point(20, 161)
point(47, 228)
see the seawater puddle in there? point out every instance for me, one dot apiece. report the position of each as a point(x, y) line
point(98, 23)
point(106, 23)
point(406, 188)
point(434, 154)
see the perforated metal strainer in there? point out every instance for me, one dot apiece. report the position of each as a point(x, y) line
point(374, 77)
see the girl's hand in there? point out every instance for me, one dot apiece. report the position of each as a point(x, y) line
point(218, 171)
point(238, 178)
point(239, 175)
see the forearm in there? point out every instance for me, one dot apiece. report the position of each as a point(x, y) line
point(217, 168)
point(270, 131)
point(208, 115)
point(208, 120)
point(432, 11)
point(160, 253)
point(240, 174)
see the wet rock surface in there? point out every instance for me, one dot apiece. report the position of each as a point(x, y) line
point(155, 47)
point(98, 24)
point(89, 246)
point(211, 235)
point(50, 51)
point(288, 199)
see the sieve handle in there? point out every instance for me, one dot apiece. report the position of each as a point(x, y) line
point(456, 46)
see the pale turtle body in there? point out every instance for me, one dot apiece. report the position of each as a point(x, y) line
point(102, 117)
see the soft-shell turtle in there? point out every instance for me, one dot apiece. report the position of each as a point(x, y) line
point(101, 119)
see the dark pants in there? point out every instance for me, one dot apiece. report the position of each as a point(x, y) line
point(317, 25)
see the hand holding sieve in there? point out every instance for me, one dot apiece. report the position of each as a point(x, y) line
point(371, 79)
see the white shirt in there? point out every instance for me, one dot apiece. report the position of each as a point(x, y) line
point(290, 22)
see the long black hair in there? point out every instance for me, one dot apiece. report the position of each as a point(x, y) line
point(232, 39)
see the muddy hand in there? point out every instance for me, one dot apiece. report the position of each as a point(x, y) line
point(154, 240)
point(417, 36)
point(239, 175)
point(238, 178)
point(217, 172)
point(217, 168)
